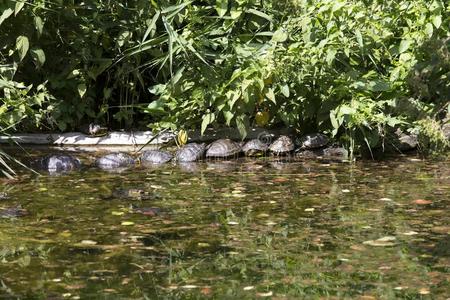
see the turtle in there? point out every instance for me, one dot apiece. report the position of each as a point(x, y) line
point(94, 129)
point(133, 193)
point(335, 153)
point(55, 163)
point(155, 157)
point(313, 141)
point(190, 152)
point(282, 145)
point(115, 160)
point(308, 154)
point(255, 147)
point(223, 148)
point(13, 212)
point(147, 211)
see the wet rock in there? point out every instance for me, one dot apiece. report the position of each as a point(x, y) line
point(59, 163)
point(190, 152)
point(155, 157)
point(13, 212)
point(403, 141)
point(116, 160)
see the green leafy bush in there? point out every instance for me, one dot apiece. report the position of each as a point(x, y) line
point(351, 68)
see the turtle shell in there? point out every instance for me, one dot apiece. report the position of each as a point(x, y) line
point(190, 152)
point(223, 148)
point(114, 161)
point(59, 163)
point(313, 141)
point(282, 145)
point(155, 157)
point(335, 152)
point(255, 147)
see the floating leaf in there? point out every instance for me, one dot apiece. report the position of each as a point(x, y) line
point(127, 223)
point(387, 241)
point(422, 202)
point(88, 242)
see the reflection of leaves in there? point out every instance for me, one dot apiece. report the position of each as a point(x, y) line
point(24, 261)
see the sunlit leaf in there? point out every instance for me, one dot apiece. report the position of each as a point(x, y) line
point(221, 7)
point(22, 46)
point(18, 7)
point(207, 119)
point(5, 15)
point(38, 56)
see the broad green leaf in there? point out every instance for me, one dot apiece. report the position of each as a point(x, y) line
point(437, 21)
point(285, 90)
point(404, 45)
point(22, 46)
point(5, 15)
point(38, 24)
point(271, 95)
point(379, 86)
point(221, 7)
point(259, 14)
point(280, 36)
point(81, 89)
point(207, 119)
point(18, 7)
point(428, 29)
point(123, 37)
point(242, 124)
point(331, 54)
point(156, 107)
point(235, 12)
point(151, 29)
point(228, 115)
point(38, 56)
point(359, 38)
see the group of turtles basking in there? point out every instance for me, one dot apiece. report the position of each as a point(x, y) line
point(312, 144)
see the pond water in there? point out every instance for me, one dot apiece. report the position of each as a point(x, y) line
point(231, 229)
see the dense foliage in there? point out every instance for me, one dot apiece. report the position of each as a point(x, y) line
point(351, 68)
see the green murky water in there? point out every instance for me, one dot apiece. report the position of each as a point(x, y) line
point(237, 230)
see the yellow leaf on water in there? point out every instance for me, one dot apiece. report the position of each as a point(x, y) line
point(88, 242)
point(117, 213)
point(127, 223)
